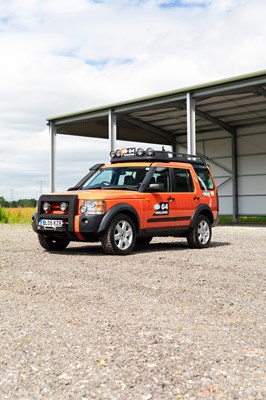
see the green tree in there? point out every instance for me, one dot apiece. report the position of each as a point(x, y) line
point(17, 203)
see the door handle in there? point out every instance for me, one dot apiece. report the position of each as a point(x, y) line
point(196, 198)
point(170, 198)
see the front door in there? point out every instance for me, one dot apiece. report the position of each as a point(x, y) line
point(174, 206)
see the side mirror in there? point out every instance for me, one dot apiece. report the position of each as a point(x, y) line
point(156, 187)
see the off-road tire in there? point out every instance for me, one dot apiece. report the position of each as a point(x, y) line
point(199, 236)
point(120, 236)
point(52, 244)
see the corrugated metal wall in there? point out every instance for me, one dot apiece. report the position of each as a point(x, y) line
point(251, 168)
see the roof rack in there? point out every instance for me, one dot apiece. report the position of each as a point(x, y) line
point(150, 155)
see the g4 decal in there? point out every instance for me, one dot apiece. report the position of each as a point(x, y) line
point(161, 209)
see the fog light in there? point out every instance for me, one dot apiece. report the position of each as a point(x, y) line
point(46, 206)
point(150, 152)
point(63, 206)
point(140, 152)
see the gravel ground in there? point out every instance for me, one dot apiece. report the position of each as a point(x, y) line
point(165, 322)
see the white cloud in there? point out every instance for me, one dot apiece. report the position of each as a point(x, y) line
point(59, 56)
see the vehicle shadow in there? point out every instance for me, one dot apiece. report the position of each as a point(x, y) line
point(177, 246)
point(96, 249)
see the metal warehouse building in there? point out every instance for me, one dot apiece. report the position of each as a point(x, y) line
point(224, 121)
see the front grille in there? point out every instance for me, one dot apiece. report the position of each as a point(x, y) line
point(54, 211)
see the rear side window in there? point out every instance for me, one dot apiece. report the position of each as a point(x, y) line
point(183, 180)
point(204, 178)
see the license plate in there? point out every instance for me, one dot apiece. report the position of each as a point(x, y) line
point(51, 223)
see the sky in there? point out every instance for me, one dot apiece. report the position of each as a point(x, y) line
point(63, 56)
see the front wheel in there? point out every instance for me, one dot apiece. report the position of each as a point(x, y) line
point(52, 244)
point(200, 234)
point(120, 236)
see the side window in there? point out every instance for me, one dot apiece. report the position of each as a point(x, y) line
point(183, 180)
point(204, 178)
point(130, 176)
point(126, 178)
point(161, 175)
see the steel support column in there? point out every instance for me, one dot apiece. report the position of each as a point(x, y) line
point(191, 125)
point(234, 177)
point(112, 129)
point(52, 157)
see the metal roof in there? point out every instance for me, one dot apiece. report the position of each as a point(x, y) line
point(223, 105)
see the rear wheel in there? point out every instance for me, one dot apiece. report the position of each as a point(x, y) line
point(120, 236)
point(52, 244)
point(200, 234)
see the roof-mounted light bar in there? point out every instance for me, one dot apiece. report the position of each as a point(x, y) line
point(124, 154)
point(132, 151)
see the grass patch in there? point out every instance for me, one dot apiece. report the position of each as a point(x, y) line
point(16, 215)
point(243, 220)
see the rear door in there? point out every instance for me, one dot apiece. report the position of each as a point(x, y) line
point(207, 185)
point(185, 194)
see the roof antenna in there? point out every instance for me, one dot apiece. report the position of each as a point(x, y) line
point(163, 149)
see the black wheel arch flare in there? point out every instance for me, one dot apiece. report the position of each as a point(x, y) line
point(117, 209)
point(202, 209)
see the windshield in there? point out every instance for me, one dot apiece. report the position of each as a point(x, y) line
point(117, 178)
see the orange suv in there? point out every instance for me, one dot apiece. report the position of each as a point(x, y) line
point(139, 195)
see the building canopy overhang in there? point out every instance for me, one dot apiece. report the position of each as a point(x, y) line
point(162, 118)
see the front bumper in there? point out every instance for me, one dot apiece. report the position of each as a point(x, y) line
point(74, 227)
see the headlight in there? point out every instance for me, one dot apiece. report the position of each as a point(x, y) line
point(118, 153)
point(83, 209)
point(46, 206)
point(112, 154)
point(93, 207)
point(63, 206)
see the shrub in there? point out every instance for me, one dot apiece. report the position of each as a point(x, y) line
point(3, 215)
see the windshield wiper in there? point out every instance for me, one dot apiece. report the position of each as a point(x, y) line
point(100, 187)
point(94, 187)
point(134, 188)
